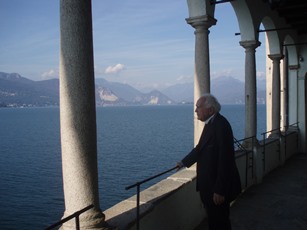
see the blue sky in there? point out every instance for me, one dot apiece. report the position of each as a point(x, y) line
point(144, 43)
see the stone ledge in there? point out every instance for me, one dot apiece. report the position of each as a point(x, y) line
point(123, 214)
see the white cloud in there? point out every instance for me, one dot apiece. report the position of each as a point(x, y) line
point(184, 79)
point(50, 74)
point(261, 75)
point(114, 69)
point(224, 73)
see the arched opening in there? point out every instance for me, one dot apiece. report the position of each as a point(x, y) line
point(261, 79)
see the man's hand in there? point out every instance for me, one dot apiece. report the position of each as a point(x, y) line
point(179, 165)
point(218, 199)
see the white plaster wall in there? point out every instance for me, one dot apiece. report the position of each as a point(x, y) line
point(271, 156)
point(290, 144)
point(302, 75)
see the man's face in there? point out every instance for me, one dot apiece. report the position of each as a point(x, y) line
point(201, 111)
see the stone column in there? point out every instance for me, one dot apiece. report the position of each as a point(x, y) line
point(250, 89)
point(78, 114)
point(293, 94)
point(285, 87)
point(276, 93)
point(202, 63)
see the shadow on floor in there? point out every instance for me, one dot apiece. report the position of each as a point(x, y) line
point(279, 202)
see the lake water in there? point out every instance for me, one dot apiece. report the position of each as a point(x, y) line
point(133, 143)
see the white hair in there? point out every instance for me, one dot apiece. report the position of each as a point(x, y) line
point(211, 101)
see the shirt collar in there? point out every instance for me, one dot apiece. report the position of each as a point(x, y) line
point(209, 119)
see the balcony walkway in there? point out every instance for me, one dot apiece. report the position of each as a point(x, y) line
point(279, 202)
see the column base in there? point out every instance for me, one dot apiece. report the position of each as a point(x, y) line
point(275, 135)
point(249, 144)
point(93, 220)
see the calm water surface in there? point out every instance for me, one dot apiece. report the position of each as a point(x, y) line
point(133, 143)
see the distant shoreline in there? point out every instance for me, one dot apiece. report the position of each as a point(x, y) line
point(110, 105)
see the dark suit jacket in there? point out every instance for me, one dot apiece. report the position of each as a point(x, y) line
point(214, 154)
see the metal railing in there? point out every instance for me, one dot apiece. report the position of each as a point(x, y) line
point(74, 215)
point(249, 161)
point(286, 128)
point(288, 132)
point(240, 147)
point(292, 125)
point(273, 131)
point(138, 185)
point(280, 134)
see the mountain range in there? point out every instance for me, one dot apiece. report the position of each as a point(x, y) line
point(18, 91)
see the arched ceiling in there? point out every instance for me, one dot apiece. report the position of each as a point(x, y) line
point(293, 11)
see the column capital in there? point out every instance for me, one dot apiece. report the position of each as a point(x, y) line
point(250, 44)
point(201, 21)
point(276, 57)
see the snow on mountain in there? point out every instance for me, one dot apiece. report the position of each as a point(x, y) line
point(16, 90)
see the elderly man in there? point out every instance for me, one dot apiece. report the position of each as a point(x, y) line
point(218, 180)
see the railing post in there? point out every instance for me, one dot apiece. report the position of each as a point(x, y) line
point(137, 185)
point(249, 160)
point(246, 168)
point(77, 223)
point(282, 147)
point(263, 152)
point(138, 207)
point(74, 215)
point(286, 134)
